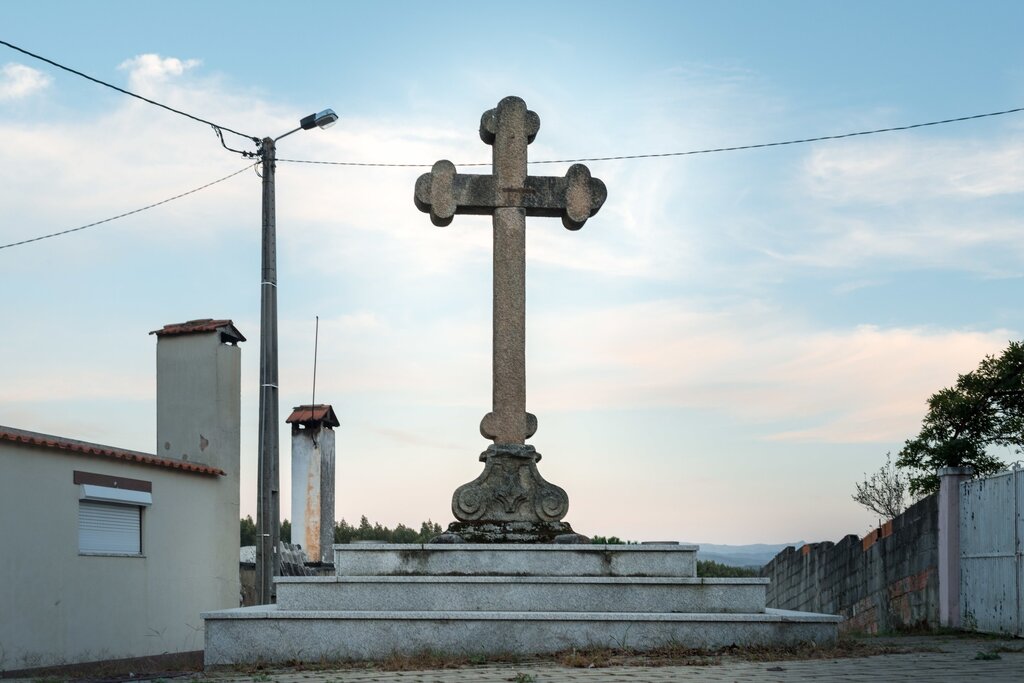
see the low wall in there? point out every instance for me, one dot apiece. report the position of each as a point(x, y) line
point(886, 581)
point(293, 563)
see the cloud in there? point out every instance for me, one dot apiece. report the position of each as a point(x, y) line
point(151, 68)
point(898, 203)
point(18, 81)
point(888, 171)
point(849, 385)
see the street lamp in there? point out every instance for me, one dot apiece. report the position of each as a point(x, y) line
point(268, 504)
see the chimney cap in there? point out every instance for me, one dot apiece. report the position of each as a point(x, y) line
point(321, 413)
point(228, 332)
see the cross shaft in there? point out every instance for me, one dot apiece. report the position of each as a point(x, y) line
point(509, 195)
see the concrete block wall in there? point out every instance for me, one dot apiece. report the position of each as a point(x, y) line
point(885, 581)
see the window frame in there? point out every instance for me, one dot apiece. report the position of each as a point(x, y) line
point(112, 496)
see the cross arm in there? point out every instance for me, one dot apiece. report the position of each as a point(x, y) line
point(575, 197)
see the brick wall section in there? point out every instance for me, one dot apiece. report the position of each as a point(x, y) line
point(886, 581)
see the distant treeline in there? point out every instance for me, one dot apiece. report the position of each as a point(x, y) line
point(346, 533)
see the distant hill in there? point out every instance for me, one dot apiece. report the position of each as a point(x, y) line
point(754, 555)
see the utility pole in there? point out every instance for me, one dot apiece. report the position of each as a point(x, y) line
point(268, 501)
point(268, 519)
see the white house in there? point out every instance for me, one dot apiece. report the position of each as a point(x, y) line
point(108, 553)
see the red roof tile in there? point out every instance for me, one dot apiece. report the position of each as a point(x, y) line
point(321, 412)
point(225, 327)
point(86, 448)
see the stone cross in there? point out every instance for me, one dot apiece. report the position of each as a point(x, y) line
point(509, 195)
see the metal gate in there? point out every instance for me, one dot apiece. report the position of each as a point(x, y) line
point(991, 562)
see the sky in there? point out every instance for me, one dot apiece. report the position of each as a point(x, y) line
point(719, 355)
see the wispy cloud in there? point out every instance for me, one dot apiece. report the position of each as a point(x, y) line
point(843, 385)
point(887, 171)
point(18, 81)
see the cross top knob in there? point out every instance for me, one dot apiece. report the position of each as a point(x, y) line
point(509, 128)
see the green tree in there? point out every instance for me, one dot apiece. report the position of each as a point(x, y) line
point(343, 532)
point(710, 568)
point(428, 530)
point(247, 528)
point(365, 529)
point(985, 409)
point(606, 540)
point(286, 531)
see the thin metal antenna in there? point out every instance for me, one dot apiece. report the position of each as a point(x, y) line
point(312, 402)
point(316, 343)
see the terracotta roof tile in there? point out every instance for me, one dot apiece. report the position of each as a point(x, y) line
point(321, 412)
point(225, 327)
point(86, 448)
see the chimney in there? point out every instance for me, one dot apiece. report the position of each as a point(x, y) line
point(198, 394)
point(313, 480)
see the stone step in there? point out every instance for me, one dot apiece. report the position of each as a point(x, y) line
point(266, 634)
point(522, 594)
point(482, 559)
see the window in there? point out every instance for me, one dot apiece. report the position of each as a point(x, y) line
point(110, 514)
point(109, 528)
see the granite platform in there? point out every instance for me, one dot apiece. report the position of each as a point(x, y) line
point(491, 599)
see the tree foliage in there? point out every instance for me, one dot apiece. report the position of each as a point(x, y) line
point(346, 533)
point(710, 568)
point(985, 409)
point(247, 531)
point(884, 492)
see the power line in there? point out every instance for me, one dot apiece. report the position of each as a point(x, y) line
point(688, 153)
point(127, 92)
point(128, 213)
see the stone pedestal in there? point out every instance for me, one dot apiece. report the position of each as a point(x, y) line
point(510, 502)
point(491, 599)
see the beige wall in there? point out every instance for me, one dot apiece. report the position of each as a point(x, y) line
point(59, 607)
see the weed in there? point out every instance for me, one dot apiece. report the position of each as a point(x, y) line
point(987, 656)
point(523, 678)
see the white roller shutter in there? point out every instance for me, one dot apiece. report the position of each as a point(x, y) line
point(109, 528)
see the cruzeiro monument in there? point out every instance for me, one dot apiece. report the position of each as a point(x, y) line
point(509, 576)
point(509, 501)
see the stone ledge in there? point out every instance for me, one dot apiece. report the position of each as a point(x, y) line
point(502, 579)
point(519, 547)
point(263, 612)
point(261, 635)
point(525, 594)
point(389, 559)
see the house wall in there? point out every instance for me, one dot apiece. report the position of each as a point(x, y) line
point(59, 607)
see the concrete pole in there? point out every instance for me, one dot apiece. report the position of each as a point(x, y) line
point(950, 479)
point(268, 515)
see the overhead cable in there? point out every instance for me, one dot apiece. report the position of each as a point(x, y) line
point(128, 213)
point(688, 153)
point(127, 92)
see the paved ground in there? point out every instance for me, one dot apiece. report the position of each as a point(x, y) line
point(928, 659)
point(918, 658)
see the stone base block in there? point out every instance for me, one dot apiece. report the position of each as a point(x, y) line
point(510, 532)
point(253, 635)
point(522, 594)
point(490, 559)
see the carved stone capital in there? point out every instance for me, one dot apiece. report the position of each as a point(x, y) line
point(510, 489)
